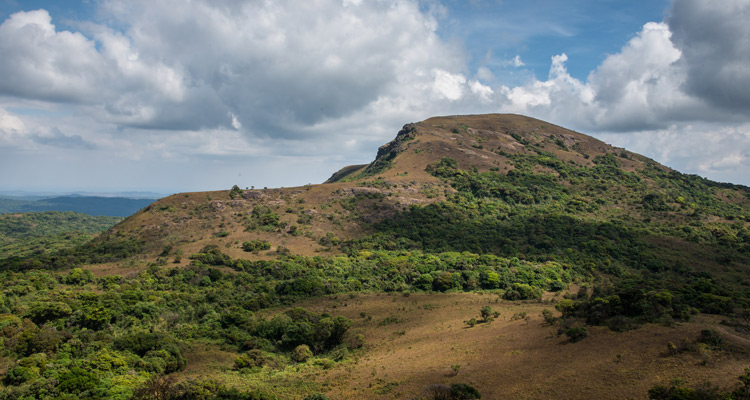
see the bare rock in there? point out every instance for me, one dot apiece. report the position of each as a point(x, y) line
point(253, 195)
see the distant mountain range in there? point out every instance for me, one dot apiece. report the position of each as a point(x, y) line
point(112, 206)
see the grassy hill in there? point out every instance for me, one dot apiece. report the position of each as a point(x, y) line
point(582, 248)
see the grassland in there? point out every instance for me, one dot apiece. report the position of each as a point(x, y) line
point(521, 358)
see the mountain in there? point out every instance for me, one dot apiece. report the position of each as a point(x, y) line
point(493, 254)
point(526, 167)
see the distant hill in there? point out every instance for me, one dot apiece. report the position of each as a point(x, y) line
point(36, 233)
point(91, 205)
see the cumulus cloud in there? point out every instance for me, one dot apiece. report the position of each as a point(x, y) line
point(715, 42)
point(39, 62)
point(448, 86)
point(694, 67)
point(279, 67)
point(173, 80)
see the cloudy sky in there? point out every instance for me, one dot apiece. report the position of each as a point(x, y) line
point(178, 95)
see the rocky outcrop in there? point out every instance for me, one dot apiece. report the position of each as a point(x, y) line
point(391, 149)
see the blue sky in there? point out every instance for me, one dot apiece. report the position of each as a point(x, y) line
point(585, 30)
point(176, 95)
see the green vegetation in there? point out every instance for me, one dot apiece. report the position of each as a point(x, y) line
point(706, 391)
point(567, 219)
point(91, 205)
point(456, 391)
point(41, 234)
point(256, 245)
point(71, 340)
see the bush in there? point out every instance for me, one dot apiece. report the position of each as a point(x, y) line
point(301, 353)
point(711, 338)
point(444, 282)
point(78, 276)
point(549, 317)
point(456, 391)
point(159, 351)
point(251, 359)
point(41, 312)
point(77, 381)
point(462, 391)
point(576, 333)
point(488, 314)
point(522, 291)
point(316, 396)
point(256, 245)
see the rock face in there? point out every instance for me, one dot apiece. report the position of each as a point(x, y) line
point(361, 191)
point(252, 195)
point(391, 149)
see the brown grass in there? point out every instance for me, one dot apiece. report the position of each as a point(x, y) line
point(519, 359)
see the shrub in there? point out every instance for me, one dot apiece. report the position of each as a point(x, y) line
point(488, 314)
point(77, 380)
point(316, 396)
point(522, 291)
point(256, 245)
point(236, 191)
point(301, 353)
point(576, 333)
point(462, 391)
point(444, 282)
point(329, 240)
point(78, 276)
point(157, 350)
point(518, 315)
point(456, 391)
point(711, 338)
point(41, 312)
point(549, 317)
point(251, 359)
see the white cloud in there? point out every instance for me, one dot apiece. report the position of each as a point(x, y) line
point(484, 93)
point(39, 62)
point(235, 122)
point(156, 80)
point(448, 86)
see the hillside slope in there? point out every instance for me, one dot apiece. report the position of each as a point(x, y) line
point(523, 162)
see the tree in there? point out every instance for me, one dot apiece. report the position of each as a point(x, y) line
point(488, 313)
point(236, 191)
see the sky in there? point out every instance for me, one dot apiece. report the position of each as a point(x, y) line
point(175, 95)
